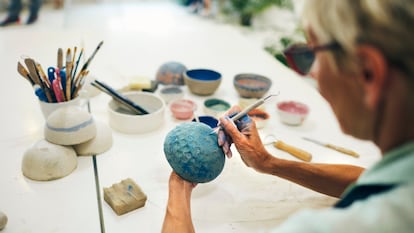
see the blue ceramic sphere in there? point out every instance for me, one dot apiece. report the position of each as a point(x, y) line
point(193, 153)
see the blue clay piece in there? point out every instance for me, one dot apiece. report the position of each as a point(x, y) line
point(193, 153)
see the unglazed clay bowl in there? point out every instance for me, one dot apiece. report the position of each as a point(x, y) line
point(97, 145)
point(47, 161)
point(193, 152)
point(171, 73)
point(208, 120)
point(183, 109)
point(69, 125)
point(251, 85)
point(202, 81)
point(215, 107)
point(292, 112)
point(122, 120)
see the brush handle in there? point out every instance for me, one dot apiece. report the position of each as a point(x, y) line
point(343, 150)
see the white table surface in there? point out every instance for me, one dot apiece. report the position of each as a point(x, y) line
point(239, 200)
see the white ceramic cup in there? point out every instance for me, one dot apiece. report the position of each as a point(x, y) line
point(47, 108)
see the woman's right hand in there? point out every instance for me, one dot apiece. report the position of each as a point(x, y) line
point(247, 141)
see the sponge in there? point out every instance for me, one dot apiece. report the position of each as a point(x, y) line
point(139, 83)
point(125, 196)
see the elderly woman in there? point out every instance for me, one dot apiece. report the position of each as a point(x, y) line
point(361, 53)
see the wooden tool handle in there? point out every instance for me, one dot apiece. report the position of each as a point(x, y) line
point(298, 153)
point(343, 150)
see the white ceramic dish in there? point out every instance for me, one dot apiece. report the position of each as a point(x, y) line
point(97, 145)
point(47, 161)
point(125, 122)
point(69, 126)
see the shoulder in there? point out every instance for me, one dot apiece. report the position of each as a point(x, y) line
point(389, 212)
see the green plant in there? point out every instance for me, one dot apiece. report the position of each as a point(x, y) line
point(249, 8)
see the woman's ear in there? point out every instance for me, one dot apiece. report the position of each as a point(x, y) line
point(374, 68)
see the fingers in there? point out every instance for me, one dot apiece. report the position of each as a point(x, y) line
point(221, 136)
point(230, 128)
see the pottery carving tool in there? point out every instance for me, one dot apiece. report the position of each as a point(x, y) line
point(333, 147)
point(23, 72)
point(119, 98)
point(248, 109)
point(295, 151)
point(31, 66)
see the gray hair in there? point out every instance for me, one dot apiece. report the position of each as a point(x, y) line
point(385, 24)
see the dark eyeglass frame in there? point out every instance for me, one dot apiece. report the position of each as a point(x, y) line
point(300, 56)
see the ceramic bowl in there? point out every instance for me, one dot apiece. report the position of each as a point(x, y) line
point(260, 117)
point(124, 121)
point(47, 161)
point(171, 73)
point(69, 126)
point(97, 145)
point(183, 109)
point(215, 107)
point(292, 112)
point(202, 81)
point(170, 93)
point(251, 85)
point(208, 120)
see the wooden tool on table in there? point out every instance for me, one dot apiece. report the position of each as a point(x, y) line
point(333, 147)
point(297, 152)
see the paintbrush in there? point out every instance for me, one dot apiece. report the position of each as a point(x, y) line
point(60, 58)
point(77, 63)
point(88, 62)
point(78, 84)
point(69, 65)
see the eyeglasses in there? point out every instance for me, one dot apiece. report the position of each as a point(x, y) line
point(300, 56)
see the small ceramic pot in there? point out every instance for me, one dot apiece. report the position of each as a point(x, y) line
point(292, 112)
point(183, 109)
point(202, 81)
point(126, 122)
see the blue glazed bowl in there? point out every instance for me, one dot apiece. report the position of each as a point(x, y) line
point(202, 81)
point(251, 85)
point(193, 153)
point(208, 120)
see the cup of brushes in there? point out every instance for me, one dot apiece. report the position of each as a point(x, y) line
point(60, 86)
